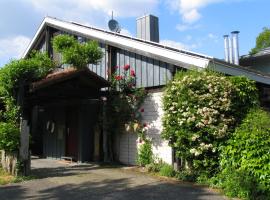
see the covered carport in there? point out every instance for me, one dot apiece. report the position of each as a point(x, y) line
point(65, 115)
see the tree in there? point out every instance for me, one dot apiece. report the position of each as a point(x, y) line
point(262, 41)
point(75, 53)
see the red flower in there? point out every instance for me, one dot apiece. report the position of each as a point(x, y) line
point(132, 73)
point(144, 124)
point(126, 67)
point(118, 78)
point(116, 67)
point(142, 110)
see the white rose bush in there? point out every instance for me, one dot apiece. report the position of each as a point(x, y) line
point(201, 110)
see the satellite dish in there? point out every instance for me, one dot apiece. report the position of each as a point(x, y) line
point(114, 25)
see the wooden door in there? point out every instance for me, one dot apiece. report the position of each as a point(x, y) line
point(72, 133)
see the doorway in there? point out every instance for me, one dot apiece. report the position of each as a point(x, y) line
point(72, 132)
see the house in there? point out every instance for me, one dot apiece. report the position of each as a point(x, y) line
point(66, 105)
point(259, 62)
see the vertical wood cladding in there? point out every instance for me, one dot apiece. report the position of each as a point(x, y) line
point(149, 72)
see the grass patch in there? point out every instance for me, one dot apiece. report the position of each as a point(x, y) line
point(6, 178)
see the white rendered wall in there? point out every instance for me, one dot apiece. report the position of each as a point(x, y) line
point(152, 115)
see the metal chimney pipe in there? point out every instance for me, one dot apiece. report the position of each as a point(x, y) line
point(230, 50)
point(226, 47)
point(235, 46)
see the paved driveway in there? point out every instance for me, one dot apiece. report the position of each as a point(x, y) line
point(76, 182)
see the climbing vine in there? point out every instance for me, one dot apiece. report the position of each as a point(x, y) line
point(125, 101)
point(15, 78)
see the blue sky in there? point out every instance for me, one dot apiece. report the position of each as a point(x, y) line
point(196, 25)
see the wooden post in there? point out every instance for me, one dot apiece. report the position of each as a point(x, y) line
point(24, 148)
point(24, 156)
point(105, 131)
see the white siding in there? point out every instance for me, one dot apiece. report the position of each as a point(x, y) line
point(152, 115)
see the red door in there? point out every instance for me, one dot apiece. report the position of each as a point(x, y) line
point(72, 133)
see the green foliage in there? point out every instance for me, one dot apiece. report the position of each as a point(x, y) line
point(244, 97)
point(185, 175)
point(167, 170)
point(75, 53)
point(262, 41)
point(201, 110)
point(248, 151)
point(238, 183)
point(154, 166)
point(158, 166)
point(145, 153)
point(23, 71)
point(9, 137)
point(125, 101)
point(15, 77)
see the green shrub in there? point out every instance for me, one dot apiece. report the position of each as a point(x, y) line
point(185, 175)
point(246, 157)
point(9, 137)
point(201, 110)
point(238, 183)
point(153, 167)
point(167, 170)
point(145, 153)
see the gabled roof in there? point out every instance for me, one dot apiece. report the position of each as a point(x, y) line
point(93, 80)
point(147, 48)
point(178, 57)
point(264, 53)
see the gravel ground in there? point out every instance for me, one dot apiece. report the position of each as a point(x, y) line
point(57, 180)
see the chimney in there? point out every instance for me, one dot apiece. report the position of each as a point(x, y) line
point(226, 47)
point(230, 50)
point(235, 46)
point(148, 28)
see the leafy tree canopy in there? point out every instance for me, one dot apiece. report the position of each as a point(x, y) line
point(262, 41)
point(76, 53)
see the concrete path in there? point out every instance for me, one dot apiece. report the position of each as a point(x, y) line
point(75, 182)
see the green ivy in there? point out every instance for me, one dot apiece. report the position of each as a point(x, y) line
point(75, 53)
point(249, 151)
point(9, 137)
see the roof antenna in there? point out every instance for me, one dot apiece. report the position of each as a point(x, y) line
point(114, 25)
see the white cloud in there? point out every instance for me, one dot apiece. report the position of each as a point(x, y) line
point(13, 47)
point(95, 12)
point(189, 9)
point(185, 27)
point(213, 37)
point(178, 45)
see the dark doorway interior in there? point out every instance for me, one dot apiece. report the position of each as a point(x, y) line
point(72, 132)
